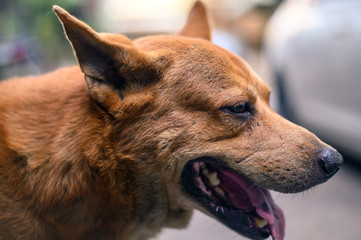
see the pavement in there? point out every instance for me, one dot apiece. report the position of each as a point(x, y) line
point(330, 211)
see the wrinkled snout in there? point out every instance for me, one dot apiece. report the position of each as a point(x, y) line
point(296, 159)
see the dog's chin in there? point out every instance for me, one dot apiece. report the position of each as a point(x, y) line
point(232, 199)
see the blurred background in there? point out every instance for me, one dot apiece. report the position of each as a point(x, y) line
point(308, 51)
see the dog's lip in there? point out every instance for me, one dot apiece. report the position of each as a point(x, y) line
point(244, 204)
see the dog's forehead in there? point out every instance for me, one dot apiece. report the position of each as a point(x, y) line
point(199, 64)
point(203, 68)
point(192, 50)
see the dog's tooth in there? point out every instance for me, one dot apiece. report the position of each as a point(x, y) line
point(260, 222)
point(213, 179)
point(205, 171)
point(219, 191)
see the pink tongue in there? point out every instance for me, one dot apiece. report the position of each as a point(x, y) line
point(246, 195)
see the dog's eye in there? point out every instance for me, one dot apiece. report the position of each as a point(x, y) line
point(239, 108)
point(242, 109)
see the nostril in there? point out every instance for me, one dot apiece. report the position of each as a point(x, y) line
point(330, 161)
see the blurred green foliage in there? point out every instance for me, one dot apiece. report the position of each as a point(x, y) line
point(35, 19)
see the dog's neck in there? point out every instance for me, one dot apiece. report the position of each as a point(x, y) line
point(79, 170)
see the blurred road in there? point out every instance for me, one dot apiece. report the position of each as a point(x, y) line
point(331, 211)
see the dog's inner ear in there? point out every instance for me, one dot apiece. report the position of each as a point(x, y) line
point(197, 24)
point(113, 67)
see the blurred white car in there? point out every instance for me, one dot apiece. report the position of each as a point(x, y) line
point(314, 49)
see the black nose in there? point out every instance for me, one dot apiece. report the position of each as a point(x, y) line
point(330, 161)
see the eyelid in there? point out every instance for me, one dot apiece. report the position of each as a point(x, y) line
point(249, 109)
point(235, 98)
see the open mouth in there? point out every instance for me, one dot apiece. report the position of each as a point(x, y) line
point(233, 200)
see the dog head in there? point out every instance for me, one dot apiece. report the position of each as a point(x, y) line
point(196, 120)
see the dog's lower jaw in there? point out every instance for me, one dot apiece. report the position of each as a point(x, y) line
point(159, 214)
point(232, 199)
point(178, 219)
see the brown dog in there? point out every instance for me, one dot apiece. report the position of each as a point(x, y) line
point(160, 126)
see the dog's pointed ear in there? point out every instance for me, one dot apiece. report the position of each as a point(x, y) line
point(113, 68)
point(197, 24)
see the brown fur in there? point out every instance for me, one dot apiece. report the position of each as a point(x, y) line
point(102, 158)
